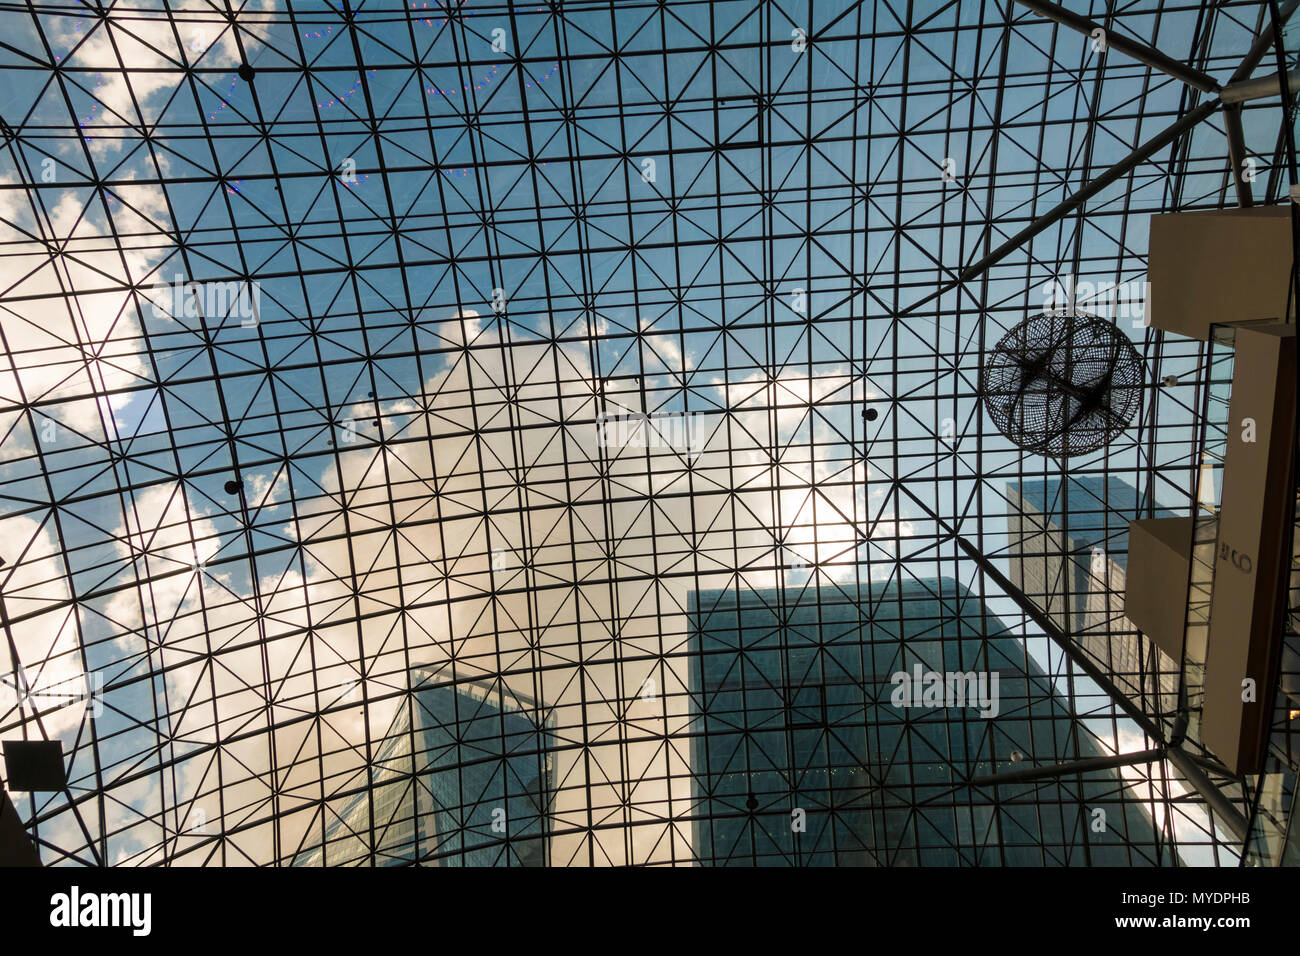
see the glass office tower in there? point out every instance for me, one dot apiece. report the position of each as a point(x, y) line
point(489, 770)
point(1068, 551)
point(475, 790)
point(808, 748)
point(395, 798)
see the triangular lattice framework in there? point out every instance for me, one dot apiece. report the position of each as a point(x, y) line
point(439, 255)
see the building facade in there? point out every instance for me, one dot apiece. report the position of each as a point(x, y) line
point(469, 783)
point(1068, 552)
point(812, 745)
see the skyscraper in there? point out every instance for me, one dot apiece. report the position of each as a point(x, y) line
point(397, 802)
point(475, 791)
point(490, 772)
point(811, 745)
point(1068, 551)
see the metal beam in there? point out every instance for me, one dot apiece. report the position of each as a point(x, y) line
point(1067, 206)
point(1215, 798)
point(1082, 765)
point(1224, 809)
point(1182, 761)
point(1237, 155)
point(1117, 41)
point(1241, 88)
point(1040, 617)
point(1258, 88)
point(1263, 43)
point(1261, 46)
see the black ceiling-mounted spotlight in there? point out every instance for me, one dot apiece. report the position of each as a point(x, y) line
point(1062, 383)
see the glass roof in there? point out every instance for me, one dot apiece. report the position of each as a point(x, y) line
point(353, 347)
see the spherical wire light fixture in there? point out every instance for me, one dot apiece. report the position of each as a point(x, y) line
point(1062, 383)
